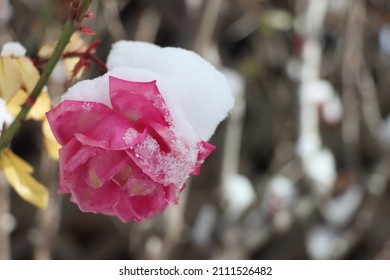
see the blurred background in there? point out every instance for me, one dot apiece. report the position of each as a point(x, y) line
point(302, 165)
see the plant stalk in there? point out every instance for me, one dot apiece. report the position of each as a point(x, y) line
point(70, 27)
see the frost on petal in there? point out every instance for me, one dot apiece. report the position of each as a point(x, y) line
point(162, 134)
point(165, 168)
point(203, 92)
point(71, 117)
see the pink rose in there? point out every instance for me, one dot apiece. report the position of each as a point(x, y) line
point(127, 146)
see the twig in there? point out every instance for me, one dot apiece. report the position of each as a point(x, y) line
point(48, 221)
point(370, 105)
point(114, 24)
point(234, 130)
point(6, 10)
point(175, 226)
point(148, 25)
point(309, 134)
point(207, 26)
point(85, 57)
point(376, 184)
point(5, 242)
point(350, 72)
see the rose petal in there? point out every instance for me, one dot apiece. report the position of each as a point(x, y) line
point(134, 181)
point(146, 197)
point(72, 155)
point(90, 184)
point(205, 149)
point(101, 200)
point(97, 174)
point(172, 193)
point(136, 100)
point(124, 210)
point(71, 117)
point(140, 207)
point(112, 132)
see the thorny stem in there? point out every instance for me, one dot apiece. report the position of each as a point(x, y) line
point(83, 9)
point(81, 55)
point(74, 10)
point(70, 27)
point(91, 57)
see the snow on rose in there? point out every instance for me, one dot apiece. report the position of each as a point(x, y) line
point(132, 137)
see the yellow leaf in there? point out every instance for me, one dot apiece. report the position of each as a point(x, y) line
point(37, 112)
point(14, 105)
point(10, 78)
point(29, 73)
point(76, 44)
point(47, 49)
point(18, 174)
point(50, 143)
point(41, 106)
point(19, 162)
point(70, 64)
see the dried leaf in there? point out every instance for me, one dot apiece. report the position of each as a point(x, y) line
point(18, 174)
point(76, 45)
point(50, 143)
point(10, 78)
point(29, 73)
point(37, 112)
